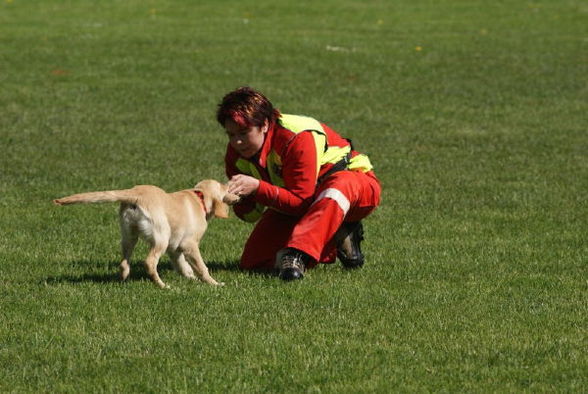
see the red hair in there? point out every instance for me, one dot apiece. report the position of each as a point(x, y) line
point(246, 107)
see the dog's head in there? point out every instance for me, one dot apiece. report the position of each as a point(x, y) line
point(216, 197)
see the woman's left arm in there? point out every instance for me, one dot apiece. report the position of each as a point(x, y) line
point(299, 172)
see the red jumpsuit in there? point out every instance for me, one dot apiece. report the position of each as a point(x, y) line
point(301, 214)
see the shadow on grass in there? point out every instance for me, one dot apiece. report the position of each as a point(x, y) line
point(83, 271)
point(234, 266)
point(138, 271)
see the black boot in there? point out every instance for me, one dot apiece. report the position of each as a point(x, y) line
point(292, 264)
point(349, 239)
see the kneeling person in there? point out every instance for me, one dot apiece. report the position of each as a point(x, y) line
point(303, 184)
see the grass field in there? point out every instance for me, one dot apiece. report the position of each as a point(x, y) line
point(473, 112)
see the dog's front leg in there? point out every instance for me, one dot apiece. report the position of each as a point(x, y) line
point(192, 253)
point(181, 265)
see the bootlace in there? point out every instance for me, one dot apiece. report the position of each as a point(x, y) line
point(292, 261)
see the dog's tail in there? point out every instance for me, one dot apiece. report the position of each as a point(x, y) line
point(127, 195)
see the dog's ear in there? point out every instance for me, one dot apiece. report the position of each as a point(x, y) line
point(220, 209)
point(216, 194)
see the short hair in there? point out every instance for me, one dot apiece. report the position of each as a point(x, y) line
point(246, 107)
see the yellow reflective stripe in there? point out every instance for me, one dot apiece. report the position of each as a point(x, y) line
point(274, 168)
point(297, 123)
point(247, 168)
point(320, 141)
point(334, 154)
point(360, 163)
point(243, 166)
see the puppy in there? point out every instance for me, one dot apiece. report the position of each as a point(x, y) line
point(172, 222)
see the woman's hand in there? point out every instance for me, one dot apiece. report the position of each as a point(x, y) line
point(243, 185)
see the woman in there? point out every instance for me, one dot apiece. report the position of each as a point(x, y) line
point(302, 183)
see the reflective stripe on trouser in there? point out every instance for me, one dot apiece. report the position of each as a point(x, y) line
point(344, 196)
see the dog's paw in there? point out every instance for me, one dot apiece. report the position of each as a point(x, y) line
point(231, 199)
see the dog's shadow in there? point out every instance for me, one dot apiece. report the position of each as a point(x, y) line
point(138, 271)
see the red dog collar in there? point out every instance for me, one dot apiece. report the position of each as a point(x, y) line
point(201, 197)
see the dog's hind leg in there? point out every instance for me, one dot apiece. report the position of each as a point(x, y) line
point(128, 242)
point(151, 263)
point(192, 253)
point(181, 265)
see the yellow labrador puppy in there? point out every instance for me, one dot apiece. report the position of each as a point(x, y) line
point(172, 222)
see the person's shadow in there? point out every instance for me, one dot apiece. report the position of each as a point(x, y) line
point(138, 271)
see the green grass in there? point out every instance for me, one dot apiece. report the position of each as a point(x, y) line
point(474, 114)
